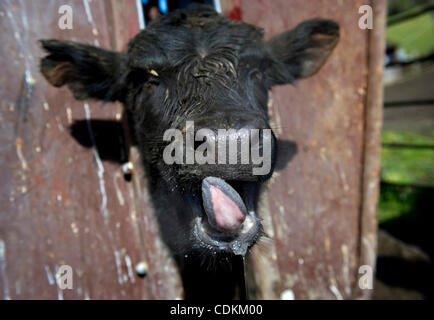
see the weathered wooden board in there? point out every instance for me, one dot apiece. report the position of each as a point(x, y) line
point(320, 211)
point(62, 203)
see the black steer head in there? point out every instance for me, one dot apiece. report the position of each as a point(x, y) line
point(191, 70)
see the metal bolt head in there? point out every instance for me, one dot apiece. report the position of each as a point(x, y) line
point(127, 167)
point(142, 268)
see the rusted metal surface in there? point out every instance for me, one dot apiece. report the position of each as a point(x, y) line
point(322, 207)
point(62, 203)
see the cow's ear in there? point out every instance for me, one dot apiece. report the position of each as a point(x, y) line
point(301, 52)
point(88, 71)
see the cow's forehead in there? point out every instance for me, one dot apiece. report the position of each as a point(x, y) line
point(176, 36)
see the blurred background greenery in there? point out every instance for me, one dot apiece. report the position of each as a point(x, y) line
point(406, 205)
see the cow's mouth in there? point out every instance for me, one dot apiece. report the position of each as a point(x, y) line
point(228, 221)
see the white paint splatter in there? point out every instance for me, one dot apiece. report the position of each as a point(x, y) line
point(69, 115)
point(22, 41)
point(140, 14)
point(50, 277)
point(121, 199)
point(130, 268)
point(336, 292)
point(29, 78)
point(217, 6)
point(346, 269)
point(88, 12)
point(99, 164)
point(119, 267)
point(20, 155)
point(90, 19)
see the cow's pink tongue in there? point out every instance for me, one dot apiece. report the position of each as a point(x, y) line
point(223, 205)
point(227, 214)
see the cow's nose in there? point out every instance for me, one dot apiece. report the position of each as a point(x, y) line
point(251, 123)
point(232, 127)
point(233, 146)
point(231, 119)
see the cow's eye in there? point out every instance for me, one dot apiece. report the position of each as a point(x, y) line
point(140, 77)
point(137, 76)
point(153, 78)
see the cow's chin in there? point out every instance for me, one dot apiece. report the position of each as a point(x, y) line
point(225, 217)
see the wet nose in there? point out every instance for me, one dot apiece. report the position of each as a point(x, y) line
point(232, 120)
point(231, 146)
point(234, 126)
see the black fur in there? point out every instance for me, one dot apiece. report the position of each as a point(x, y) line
point(192, 64)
